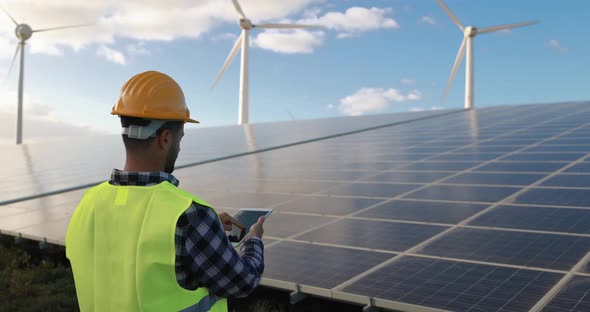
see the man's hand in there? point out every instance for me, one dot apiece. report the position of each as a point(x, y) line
point(256, 230)
point(228, 222)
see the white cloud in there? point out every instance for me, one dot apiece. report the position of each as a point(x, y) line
point(225, 36)
point(408, 81)
point(346, 35)
point(132, 19)
point(427, 20)
point(166, 20)
point(138, 49)
point(289, 42)
point(368, 100)
point(354, 20)
point(556, 45)
point(111, 55)
point(349, 24)
point(415, 95)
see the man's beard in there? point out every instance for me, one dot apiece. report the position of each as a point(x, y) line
point(171, 160)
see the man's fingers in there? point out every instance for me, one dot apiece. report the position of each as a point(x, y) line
point(235, 222)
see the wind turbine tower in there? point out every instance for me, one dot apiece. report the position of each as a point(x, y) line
point(469, 33)
point(23, 33)
point(243, 43)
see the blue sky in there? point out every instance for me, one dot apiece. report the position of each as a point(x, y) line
point(375, 56)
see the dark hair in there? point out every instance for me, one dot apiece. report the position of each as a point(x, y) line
point(137, 144)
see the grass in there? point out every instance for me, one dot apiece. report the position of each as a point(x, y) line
point(31, 280)
point(41, 280)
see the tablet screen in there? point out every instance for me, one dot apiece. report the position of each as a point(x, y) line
point(247, 218)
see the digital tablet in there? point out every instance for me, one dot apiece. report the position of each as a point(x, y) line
point(247, 217)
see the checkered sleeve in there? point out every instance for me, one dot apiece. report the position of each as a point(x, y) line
point(213, 261)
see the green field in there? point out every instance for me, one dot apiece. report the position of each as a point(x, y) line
point(32, 279)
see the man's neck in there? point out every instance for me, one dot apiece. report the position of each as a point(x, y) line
point(141, 165)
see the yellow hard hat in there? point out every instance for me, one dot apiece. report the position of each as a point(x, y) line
point(152, 95)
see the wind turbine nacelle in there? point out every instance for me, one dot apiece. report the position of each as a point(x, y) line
point(470, 31)
point(246, 24)
point(23, 32)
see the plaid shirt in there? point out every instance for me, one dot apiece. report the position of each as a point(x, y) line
point(204, 254)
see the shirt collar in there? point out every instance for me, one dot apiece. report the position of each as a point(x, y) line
point(119, 177)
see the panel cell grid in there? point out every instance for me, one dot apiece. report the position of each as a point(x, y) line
point(574, 297)
point(547, 167)
point(551, 251)
point(423, 211)
point(320, 266)
point(465, 193)
point(456, 286)
point(381, 235)
point(567, 220)
point(555, 197)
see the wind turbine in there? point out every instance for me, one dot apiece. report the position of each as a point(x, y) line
point(23, 33)
point(242, 43)
point(469, 33)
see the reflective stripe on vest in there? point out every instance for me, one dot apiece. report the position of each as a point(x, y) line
point(121, 245)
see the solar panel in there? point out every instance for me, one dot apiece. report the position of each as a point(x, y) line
point(315, 265)
point(463, 193)
point(380, 235)
point(548, 219)
point(472, 211)
point(555, 197)
point(456, 286)
point(550, 251)
point(408, 177)
point(563, 180)
point(423, 211)
point(61, 164)
point(544, 156)
point(573, 297)
point(513, 179)
point(327, 205)
point(376, 190)
point(544, 167)
point(580, 168)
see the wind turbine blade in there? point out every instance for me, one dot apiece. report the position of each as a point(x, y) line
point(239, 8)
point(458, 60)
point(286, 26)
point(12, 18)
point(450, 14)
point(229, 59)
point(62, 27)
point(12, 63)
point(507, 26)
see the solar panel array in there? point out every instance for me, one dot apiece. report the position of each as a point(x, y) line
point(68, 163)
point(483, 210)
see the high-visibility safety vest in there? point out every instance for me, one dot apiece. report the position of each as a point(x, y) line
point(120, 243)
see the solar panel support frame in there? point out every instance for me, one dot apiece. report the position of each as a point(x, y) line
point(370, 307)
point(297, 296)
point(273, 283)
point(400, 306)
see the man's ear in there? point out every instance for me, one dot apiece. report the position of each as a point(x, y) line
point(165, 138)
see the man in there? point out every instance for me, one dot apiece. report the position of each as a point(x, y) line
point(139, 243)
